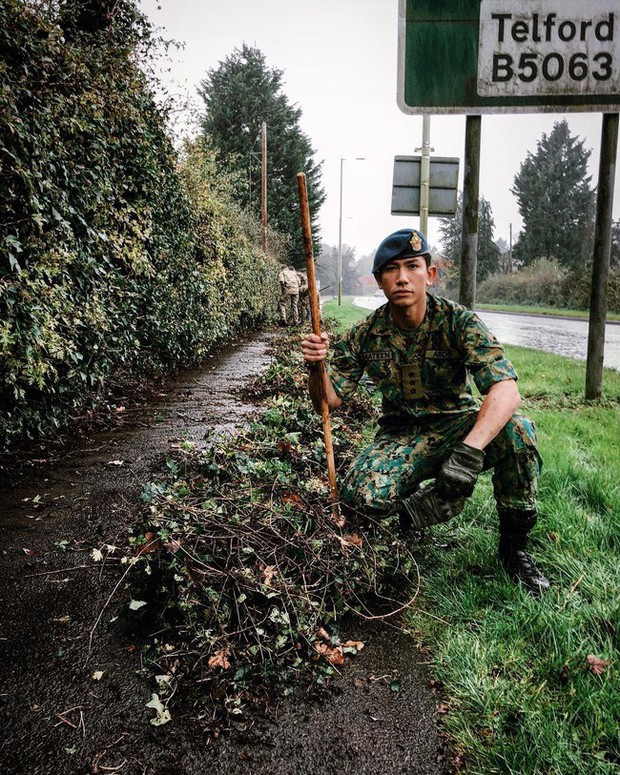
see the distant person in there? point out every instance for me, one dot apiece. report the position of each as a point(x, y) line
point(422, 351)
point(304, 301)
point(288, 304)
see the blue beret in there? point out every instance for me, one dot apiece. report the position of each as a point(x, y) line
point(405, 243)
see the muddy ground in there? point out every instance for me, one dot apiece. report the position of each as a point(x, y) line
point(61, 621)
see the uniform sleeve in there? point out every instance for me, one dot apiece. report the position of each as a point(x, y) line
point(345, 368)
point(485, 358)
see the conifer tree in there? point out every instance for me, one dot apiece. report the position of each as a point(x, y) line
point(452, 238)
point(239, 94)
point(556, 200)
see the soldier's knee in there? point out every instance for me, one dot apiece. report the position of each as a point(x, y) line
point(520, 432)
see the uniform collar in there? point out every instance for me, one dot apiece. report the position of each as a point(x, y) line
point(385, 326)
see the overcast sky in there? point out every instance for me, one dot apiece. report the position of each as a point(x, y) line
point(339, 59)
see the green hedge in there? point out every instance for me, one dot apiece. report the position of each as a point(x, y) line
point(112, 262)
point(546, 284)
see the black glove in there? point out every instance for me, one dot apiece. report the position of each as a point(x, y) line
point(458, 473)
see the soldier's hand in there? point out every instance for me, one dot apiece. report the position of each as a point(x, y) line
point(459, 472)
point(314, 348)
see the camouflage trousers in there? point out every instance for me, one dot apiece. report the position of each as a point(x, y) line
point(400, 458)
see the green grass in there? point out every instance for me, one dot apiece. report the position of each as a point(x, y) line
point(521, 696)
point(344, 315)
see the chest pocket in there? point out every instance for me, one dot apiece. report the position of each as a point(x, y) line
point(442, 372)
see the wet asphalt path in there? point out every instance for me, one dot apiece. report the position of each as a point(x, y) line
point(61, 622)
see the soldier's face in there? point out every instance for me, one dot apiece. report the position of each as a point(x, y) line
point(405, 280)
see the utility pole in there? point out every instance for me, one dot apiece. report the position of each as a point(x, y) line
point(264, 185)
point(602, 252)
point(471, 188)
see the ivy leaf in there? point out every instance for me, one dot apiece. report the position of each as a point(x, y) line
point(162, 713)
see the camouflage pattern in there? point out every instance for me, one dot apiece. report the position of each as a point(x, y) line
point(428, 405)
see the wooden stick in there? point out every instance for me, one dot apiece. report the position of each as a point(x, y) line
point(316, 328)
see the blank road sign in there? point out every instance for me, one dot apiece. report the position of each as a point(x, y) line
point(442, 193)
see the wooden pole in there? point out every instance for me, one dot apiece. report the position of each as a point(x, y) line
point(316, 328)
point(471, 186)
point(602, 251)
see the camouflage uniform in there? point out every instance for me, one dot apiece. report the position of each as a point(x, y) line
point(428, 405)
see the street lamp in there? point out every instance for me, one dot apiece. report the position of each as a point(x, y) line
point(342, 160)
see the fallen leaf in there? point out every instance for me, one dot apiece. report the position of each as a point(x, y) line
point(323, 634)
point(96, 555)
point(97, 675)
point(353, 644)
point(173, 546)
point(268, 573)
point(163, 714)
point(333, 654)
point(597, 665)
point(443, 707)
point(151, 544)
point(354, 539)
point(220, 659)
point(292, 498)
point(134, 605)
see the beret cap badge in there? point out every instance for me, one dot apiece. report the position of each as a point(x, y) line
point(415, 242)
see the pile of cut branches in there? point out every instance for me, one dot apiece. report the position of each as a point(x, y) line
point(246, 567)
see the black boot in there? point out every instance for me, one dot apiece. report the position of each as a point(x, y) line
point(514, 529)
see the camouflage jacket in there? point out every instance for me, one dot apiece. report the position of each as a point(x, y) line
point(425, 375)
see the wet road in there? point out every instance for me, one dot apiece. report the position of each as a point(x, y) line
point(562, 336)
point(554, 335)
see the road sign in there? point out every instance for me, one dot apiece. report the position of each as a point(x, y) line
point(508, 56)
point(442, 196)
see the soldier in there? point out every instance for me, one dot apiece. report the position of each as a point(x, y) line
point(304, 302)
point(289, 295)
point(420, 351)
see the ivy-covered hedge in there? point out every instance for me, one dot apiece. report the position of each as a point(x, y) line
point(545, 283)
point(112, 262)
